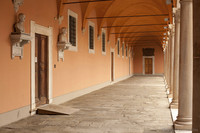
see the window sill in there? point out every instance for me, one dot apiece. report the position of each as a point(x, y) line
point(103, 53)
point(73, 48)
point(91, 51)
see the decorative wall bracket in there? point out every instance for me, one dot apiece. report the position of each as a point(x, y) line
point(61, 47)
point(18, 41)
point(17, 4)
point(60, 19)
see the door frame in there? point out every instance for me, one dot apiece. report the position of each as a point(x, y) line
point(112, 50)
point(153, 67)
point(47, 31)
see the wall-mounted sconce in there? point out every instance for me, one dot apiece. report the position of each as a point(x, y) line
point(166, 19)
point(98, 37)
point(63, 44)
point(19, 38)
point(168, 2)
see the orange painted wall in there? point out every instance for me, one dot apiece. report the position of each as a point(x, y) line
point(138, 59)
point(79, 70)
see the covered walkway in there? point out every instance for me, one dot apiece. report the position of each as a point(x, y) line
point(135, 105)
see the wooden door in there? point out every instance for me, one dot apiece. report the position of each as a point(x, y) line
point(148, 66)
point(41, 69)
point(112, 66)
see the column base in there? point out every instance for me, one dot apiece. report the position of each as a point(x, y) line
point(183, 127)
point(170, 96)
point(174, 104)
point(166, 85)
point(167, 90)
point(183, 124)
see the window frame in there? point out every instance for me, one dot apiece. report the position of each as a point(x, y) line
point(75, 15)
point(103, 32)
point(118, 47)
point(126, 51)
point(123, 44)
point(91, 51)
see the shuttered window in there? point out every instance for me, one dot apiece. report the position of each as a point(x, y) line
point(103, 42)
point(118, 47)
point(123, 49)
point(91, 37)
point(126, 51)
point(72, 30)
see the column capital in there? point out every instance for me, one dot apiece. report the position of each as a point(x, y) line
point(174, 10)
point(177, 15)
point(185, 1)
point(172, 29)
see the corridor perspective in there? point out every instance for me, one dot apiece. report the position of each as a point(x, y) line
point(136, 105)
point(120, 66)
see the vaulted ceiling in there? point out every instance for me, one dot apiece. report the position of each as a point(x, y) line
point(134, 21)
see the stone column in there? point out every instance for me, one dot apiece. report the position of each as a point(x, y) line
point(196, 67)
point(165, 66)
point(174, 103)
point(171, 61)
point(184, 119)
point(168, 64)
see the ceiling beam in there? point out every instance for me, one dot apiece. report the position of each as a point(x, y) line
point(132, 16)
point(140, 36)
point(146, 43)
point(139, 32)
point(144, 40)
point(134, 25)
point(80, 2)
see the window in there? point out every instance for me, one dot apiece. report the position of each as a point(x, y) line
point(126, 51)
point(103, 42)
point(118, 46)
point(123, 50)
point(72, 29)
point(148, 51)
point(91, 34)
point(91, 37)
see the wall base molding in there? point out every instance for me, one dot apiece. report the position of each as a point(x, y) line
point(140, 74)
point(14, 115)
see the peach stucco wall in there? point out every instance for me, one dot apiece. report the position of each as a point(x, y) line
point(138, 59)
point(79, 70)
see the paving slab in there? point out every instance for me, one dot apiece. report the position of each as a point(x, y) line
point(136, 105)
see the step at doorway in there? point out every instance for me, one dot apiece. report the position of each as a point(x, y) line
point(52, 109)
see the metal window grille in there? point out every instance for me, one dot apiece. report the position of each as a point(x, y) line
point(72, 30)
point(123, 50)
point(103, 42)
point(118, 47)
point(91, 37)
point(126, 51)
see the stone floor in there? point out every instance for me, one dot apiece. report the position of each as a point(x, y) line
point(135, 105)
